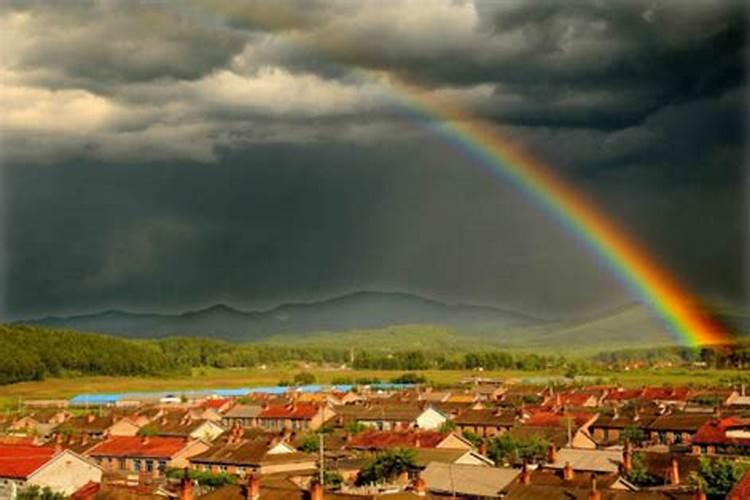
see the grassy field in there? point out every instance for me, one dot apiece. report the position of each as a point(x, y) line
point(206, 378)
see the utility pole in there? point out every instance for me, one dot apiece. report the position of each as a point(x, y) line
point(322, 460)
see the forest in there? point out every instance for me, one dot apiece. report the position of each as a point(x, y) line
point(35, 353)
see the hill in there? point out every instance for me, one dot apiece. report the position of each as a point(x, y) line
point(362, 310)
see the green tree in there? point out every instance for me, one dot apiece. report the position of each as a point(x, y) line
point(507, 449)
point(448, 426)
point(310, 444)
point(303, 378)
point(639, 474)
point(633, 433)
point(717, 477)
point(34, 492)
point(387, 466)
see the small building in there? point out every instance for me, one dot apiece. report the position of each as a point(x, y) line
point(242, 415)
point(677, 428)
point(259, 456)
point(729, 435)
point(485, 422)
point(294, 416)
point(148, 455)
point(63, 471)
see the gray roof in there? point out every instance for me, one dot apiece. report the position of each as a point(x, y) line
point(474, 480)
point(244, 411)
point(587, 460)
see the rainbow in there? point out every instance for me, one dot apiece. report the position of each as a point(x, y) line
point(686, 319)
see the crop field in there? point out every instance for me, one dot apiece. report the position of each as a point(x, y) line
point(207, 378)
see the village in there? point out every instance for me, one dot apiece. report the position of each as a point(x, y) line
point(482, 438)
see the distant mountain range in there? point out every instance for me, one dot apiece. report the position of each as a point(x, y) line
point(361, 310)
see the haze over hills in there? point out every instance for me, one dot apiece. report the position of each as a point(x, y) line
point(391, 321)
point(361, 310)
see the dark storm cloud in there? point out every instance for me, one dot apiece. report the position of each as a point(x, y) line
point(174, 154)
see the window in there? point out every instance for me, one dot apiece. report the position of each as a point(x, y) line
point(149, 465)
point(137, 465)
point(162, 465)
point(122, 464)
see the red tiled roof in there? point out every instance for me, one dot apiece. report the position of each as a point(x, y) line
point(577, 399)
point(666, 393)
point(216, 403)
point(714, 432)
point(623, 395)
point(19, 460)
point(300, 411)
point(742, 489)
point(137, 446)
point(88, 490)
point(25, 440)
point(375, 439)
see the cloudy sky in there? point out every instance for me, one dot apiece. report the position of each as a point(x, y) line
point(166, 155)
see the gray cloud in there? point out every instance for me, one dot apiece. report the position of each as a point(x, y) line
point(170, 154)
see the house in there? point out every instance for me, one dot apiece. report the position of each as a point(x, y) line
point(186, 427)
point(294, 416)
point(609, 427)
point(148, 455)
point(620, 396)
point(426, 456)
point(99, 426)
point(489, 392)
point(372, 439)
point(729, 435)
point(474, 481)
point(676, 397)
point(676, 428)
point(259, 456)
point(219, 405)
point(381, 416)
point(392, 416)
point(62, 471)
point(584, 460)
point(430, 418)
point(243, 415)
point(558, 436)
point(485, 422)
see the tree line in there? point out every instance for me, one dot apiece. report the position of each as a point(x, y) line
point(35, 352)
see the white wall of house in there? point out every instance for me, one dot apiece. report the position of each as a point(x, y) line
point(430, 418)
point(66, 473)
point(207, 431)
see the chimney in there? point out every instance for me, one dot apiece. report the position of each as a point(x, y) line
point(568, 472)
point(594, 494)
point(145, 440)
point(525, 474)
point(420, 486)
point(252, 489)
point(552, 453)
point(316, 490)
point(627, 458)
point(674, 471)
point(186, 486)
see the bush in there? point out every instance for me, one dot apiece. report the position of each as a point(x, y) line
point(387, 466)
point(409, 378)
point(304, 378)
